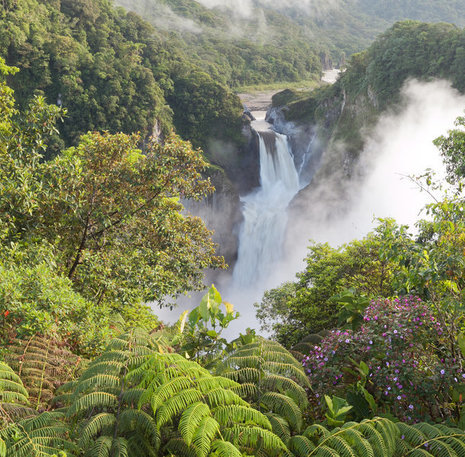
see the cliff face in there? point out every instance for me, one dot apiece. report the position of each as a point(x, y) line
point(235, 173)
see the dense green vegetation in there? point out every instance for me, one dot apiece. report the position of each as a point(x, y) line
point(369, 341)
point(265, 48)
point(274, 42)
point(111, 71)
point(71, 234)
point(373, 80)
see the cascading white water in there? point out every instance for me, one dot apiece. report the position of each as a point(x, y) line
point(264, 210)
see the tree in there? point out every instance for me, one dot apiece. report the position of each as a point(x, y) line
point(297, 309)
point(112, 213)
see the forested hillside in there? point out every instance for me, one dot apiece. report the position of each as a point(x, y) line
point(264, 48)
point(373, 79)
point(111, 71)
point(265, 42)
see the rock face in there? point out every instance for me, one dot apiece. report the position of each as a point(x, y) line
point(237, 172)
point(221, 214)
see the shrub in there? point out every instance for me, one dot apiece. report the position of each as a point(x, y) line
point(401, 345)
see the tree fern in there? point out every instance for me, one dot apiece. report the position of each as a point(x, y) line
point(102, 406)
point(369, 438)
point(429, 441)
point(13, 396)
point(379, 437)
point(271, 378)
point(199, 413)
point(43, 364)
point(43, 435)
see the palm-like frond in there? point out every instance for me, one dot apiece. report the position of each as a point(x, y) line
point(191, 419)
point(13, 395)
point(203, 409)
point(39, 436)
point(300, 446)
point(379, 437)
point(280, 427)
point(271, 378)
point(430, 441)
point(284, 406)
point(43, 364)
point(103, 404)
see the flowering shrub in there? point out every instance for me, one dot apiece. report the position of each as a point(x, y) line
point(402, 343)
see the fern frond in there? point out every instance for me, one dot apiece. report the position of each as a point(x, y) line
point(369, 438)
point(287, 369)
point(172, 407)
point(92, 401)
point(209, 383)
point(100, 381)
point(43, 364)
point(431, 440)
point(253, 437)
point(280, 427)
point(300, 446)
point(341, 446)
point(228, 415)
point(94, 427)
point(286, 386)
point(225, 449)
point(101, 447)
point(247, 390)
point(177, 447)
point(285, 407)
point(191, 419)
point(206, 431)
point(239, 361)
point(131, 420)
point(108, 367)
point(140, 447)
point(316, 431)
point(243, 375)
point(42, 435)
point(357, 441)
point(167, 390)
point(132, 397)
point(13, 395)
point(221, 396)
point(119, 447)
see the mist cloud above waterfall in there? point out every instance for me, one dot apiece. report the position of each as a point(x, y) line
point(245, 8)
point(399, 146)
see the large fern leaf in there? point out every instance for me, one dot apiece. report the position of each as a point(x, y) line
point(203, 408)
point(191, 419)
point(104, 406)
point(43, 364)
point(271, 378)
point(39, 436)
point(13, 396)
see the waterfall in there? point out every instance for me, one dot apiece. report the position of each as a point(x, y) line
point(264, 210)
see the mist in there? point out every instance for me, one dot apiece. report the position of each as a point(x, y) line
point(246, 8)
point(399, 146)
point(161, 15)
